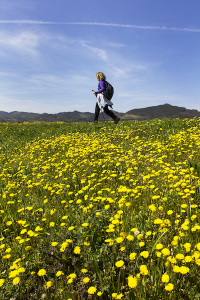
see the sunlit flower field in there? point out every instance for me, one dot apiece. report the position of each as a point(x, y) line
point(100, 212)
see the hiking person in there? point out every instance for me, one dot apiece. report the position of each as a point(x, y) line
point(102, 101)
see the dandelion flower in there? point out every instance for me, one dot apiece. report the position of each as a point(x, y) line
point(84, 270)
point(183, 270)
point(144, 254)
point(165, 278)
point(179, 256)
point(85, 224)
point(59, 273)
point(41, 272)
point(132, 282)
point(119, 263)
point(159, 246)
point(132, 256)
point(48, 284)
point(2, 282)
point(92, 290)
point(144, 270)
point(176, 269)
point(77, 250)
point(54, 244)
point(130, 237)
point(165, 252)
point(119, 240)
point(16, 280)
point(169, 287)
point(86, 279)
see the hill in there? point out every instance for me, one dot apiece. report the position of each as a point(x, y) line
point(148, 113)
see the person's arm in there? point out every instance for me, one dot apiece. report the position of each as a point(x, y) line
point(102, 87)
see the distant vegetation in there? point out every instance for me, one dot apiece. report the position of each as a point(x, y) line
point(149, 113)
point(100, 212)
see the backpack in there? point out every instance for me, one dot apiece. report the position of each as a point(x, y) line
point(109, 92)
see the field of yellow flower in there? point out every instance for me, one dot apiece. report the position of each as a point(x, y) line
point(100, 212)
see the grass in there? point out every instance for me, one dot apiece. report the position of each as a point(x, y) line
point(100, 212)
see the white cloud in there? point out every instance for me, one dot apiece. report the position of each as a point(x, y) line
point(25, 41)
point(94, 50)
point(99, 24)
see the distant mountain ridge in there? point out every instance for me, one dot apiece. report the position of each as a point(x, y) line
point(148, 113)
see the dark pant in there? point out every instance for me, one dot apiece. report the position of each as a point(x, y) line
point(106, 110)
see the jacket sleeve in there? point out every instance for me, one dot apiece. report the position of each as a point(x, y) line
point(102, 87)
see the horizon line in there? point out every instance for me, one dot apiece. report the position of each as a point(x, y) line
point(36, 22)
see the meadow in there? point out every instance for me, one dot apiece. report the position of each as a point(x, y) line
point(100, 211)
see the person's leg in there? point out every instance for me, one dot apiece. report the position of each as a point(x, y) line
point(111, 114)
point(96, 114)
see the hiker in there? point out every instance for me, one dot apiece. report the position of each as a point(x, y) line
point(102, 102)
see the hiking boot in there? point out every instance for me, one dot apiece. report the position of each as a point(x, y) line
point(116, 120)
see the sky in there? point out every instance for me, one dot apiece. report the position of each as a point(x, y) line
point(50, 52)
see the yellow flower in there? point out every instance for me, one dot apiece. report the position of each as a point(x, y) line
point(132, 282)
point(165, 252)
point(143, 270)
point(159, 246)
point(99, 293)
point(84, 270)
point(54, 244)
point(77, 250)
point(198, 246)
point(165, 278)
point(41, 272)
point(92, 290)
point(16, 280)
point(59, 273)
point(152, 207)
point(52, 224)
point(188, 258)
point(71, 228)
point(176, 269)
point(48, 284)
point(28, 248)
point(179, 256)
point(130, 237)
point(169, 287)
point(21, 270)
point(158, 221)
point(119, 240)
point(85, 224)
point(132, 256)
point(72, 275)
point(139, 236)
point(86, 279)
point(144, 254)
point(141, 244)
point(119, 263)
point(2, 282)
point(183, 270)
point(70, 281)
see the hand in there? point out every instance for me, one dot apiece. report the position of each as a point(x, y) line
point(94, 92)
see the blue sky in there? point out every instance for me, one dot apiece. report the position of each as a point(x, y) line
point(51, 50)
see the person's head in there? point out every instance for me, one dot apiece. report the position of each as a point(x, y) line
point(100, 76)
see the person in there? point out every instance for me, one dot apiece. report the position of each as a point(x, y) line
point(102, 102)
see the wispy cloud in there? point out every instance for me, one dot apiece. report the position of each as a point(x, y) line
point(97, 51)
point(35, 22)
point(24, 41)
